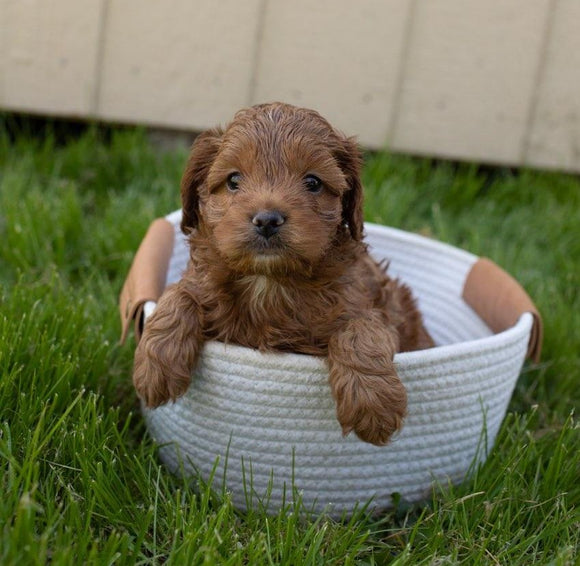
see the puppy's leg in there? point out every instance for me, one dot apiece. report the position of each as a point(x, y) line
point(370, 398)
point(169, 348)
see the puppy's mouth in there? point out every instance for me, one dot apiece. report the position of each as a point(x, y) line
point(266, 254)
point(266, 247)
point(272, 257)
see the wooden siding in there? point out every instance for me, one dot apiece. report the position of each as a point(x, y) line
point(494, 81)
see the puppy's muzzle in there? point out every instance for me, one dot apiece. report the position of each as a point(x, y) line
point(268, 222)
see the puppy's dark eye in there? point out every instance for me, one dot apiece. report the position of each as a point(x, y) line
point(312, 183)
point(233, 181)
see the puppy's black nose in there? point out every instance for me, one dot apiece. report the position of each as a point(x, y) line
point(268, 222)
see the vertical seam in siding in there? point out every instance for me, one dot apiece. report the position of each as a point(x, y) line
point(257, 54)
point(100, 57)
point(537, 82)
point(401, 72)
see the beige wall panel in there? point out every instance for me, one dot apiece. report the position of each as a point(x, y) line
point(3, 47)
point(178, 64)
point(340, 57)
point(555, 135)
point(469, 78)
point(49, 55)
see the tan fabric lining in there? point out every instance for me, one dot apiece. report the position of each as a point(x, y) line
point(500, 301)
point(146, 278)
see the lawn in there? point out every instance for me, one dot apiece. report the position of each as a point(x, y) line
point(79, 479)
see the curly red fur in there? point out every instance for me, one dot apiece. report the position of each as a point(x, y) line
point(307, 285)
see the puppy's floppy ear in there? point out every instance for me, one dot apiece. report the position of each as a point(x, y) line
point(203, 152)
point(350, 161)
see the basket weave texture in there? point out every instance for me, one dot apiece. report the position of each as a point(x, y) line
point(267, 423)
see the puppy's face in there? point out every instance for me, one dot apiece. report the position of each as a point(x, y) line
point(273, 189)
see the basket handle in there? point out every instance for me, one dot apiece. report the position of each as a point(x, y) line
point(500, 301)
point(147, 276)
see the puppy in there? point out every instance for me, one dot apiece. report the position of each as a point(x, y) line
point(272, 206)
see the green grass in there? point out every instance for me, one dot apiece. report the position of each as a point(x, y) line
point(79, 479)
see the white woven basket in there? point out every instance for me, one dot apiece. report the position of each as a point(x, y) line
point(269, 420)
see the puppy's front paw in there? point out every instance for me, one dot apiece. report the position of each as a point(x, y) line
point(370, 398)
point(169, 348)
point(157, 384)
point(373, 406)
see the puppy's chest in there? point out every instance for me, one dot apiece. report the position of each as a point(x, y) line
point(261, 313)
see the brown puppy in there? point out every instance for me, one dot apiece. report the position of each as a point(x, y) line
point(273, 209)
